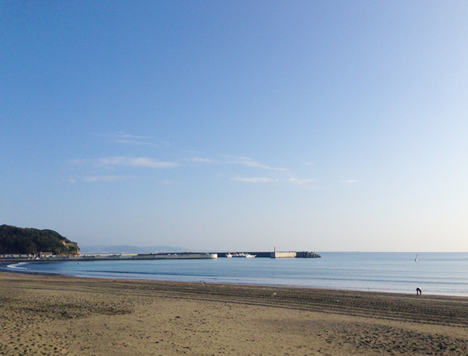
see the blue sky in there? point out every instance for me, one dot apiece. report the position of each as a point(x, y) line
point(230, 125)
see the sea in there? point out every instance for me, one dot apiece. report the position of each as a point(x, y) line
point(434, 273)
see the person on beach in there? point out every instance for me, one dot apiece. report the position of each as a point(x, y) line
point(418, 291)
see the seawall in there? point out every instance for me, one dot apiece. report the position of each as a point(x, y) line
point(283, 254)
point(154, 256)
point(280, 254)
point(116, 257)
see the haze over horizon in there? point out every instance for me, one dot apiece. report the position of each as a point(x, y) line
point(305, 125)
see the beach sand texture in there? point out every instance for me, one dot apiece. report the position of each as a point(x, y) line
point(41, 315)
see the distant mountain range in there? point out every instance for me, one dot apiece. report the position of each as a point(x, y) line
point(129, 249)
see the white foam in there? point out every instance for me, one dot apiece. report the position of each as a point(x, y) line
point(17, 266)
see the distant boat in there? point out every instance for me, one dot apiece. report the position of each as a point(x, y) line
point(229, 255)
point(416, 259)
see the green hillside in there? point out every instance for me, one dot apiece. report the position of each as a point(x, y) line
point(16, 240)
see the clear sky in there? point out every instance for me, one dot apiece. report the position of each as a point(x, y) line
point(237, 125)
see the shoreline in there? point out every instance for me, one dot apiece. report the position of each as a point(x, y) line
point(4, 269)
point(88, 316)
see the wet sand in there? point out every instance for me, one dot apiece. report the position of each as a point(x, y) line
point(41, 315)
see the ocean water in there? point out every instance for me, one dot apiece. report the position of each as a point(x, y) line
point(434, 273)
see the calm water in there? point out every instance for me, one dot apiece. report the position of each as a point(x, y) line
point(435, 273)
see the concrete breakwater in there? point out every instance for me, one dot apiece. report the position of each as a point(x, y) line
point(111, 257)
point(147, 256)
point(152, 256)
point(278, 254)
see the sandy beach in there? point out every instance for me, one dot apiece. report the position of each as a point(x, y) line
point(42, 315)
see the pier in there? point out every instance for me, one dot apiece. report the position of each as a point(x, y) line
point(276, 254)
point(109, 257)
point(149, 256)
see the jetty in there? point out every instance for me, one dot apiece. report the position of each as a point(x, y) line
point(108, 257)
point(276, 254)
point(48, 257)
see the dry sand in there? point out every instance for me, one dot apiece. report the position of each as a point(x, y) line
point(72, 316)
